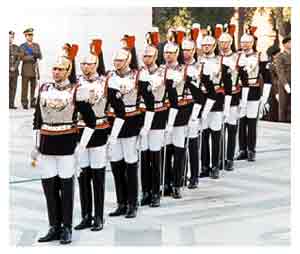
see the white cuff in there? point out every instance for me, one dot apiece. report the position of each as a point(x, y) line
point(86, 136)
point(172, 116)
point(227, 103)
point(117, 126)
point(148, 119)
point(195, 112)
point(245, 92)
point(266, 91)
point(207, 107)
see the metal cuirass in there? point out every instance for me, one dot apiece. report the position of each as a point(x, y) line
point(57, 105)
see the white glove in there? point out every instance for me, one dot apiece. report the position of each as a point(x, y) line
point(263, 109)
point(169, 129)
point(84, 140)
point(34, 155)
point(266, 93)
point(243, 102)
point(207, 108)
point(117, 126)
point(287, 88)
point(194, 124)
point(171, 119)
point(195, 112)
point(277, 96)
point(227, 103)
point(147, 123)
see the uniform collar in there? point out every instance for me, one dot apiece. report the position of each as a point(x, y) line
point(152, 68)
point(91, 78)
point(62, 85)
point(229, 53)
point(192, 62)
point(124, 73)
point(173, 65)
point(211, 55)
point(250, 52)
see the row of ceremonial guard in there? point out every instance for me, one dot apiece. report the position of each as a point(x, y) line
point(169, 111)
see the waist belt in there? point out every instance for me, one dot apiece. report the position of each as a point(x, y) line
point(236, 89)
point(219, 89)
point(184, 102)
point(130, 108)
point(253, 82)
point(127, 114)
point(58, 132)
point(100, 124)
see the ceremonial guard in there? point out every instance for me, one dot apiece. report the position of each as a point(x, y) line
point(56, 146)
point(253, 102)
point(192, 75)
point(180, 110)
point(217, 87)
point(238, 76)
point(126, 124)
point(153, 92)
point(92, 162)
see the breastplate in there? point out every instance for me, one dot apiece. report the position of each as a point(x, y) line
point(156, 80)
point(252, 67)
point(57, 106)
point(97, 97)
point(177, 75)
point(126, 85)
point(231, 63)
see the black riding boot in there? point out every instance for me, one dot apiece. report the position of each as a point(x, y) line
point(85, 194)
point(119, 172)
point(67, 198)
point(51, 187)
point(205, 154)
point(99, 190)
point(194, 162)
point(251, 138)
point(232, 129)
point(169, 170)
point(242, 155)
point(156, 163)
point(145, 177)
point(215, 138)
point(179, 164)
point(132, 176)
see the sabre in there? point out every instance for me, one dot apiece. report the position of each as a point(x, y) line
point(186, 161)
point(164, 165)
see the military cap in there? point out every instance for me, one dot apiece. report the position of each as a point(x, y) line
point(28, 31)
point(286, 39)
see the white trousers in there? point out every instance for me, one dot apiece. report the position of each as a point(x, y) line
point(153, 141)
point(51, 165)
point(213, 121)
point(125, 148)
point(177, 136)
point(251, 109)
point(95, 157)
point(233, 116)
